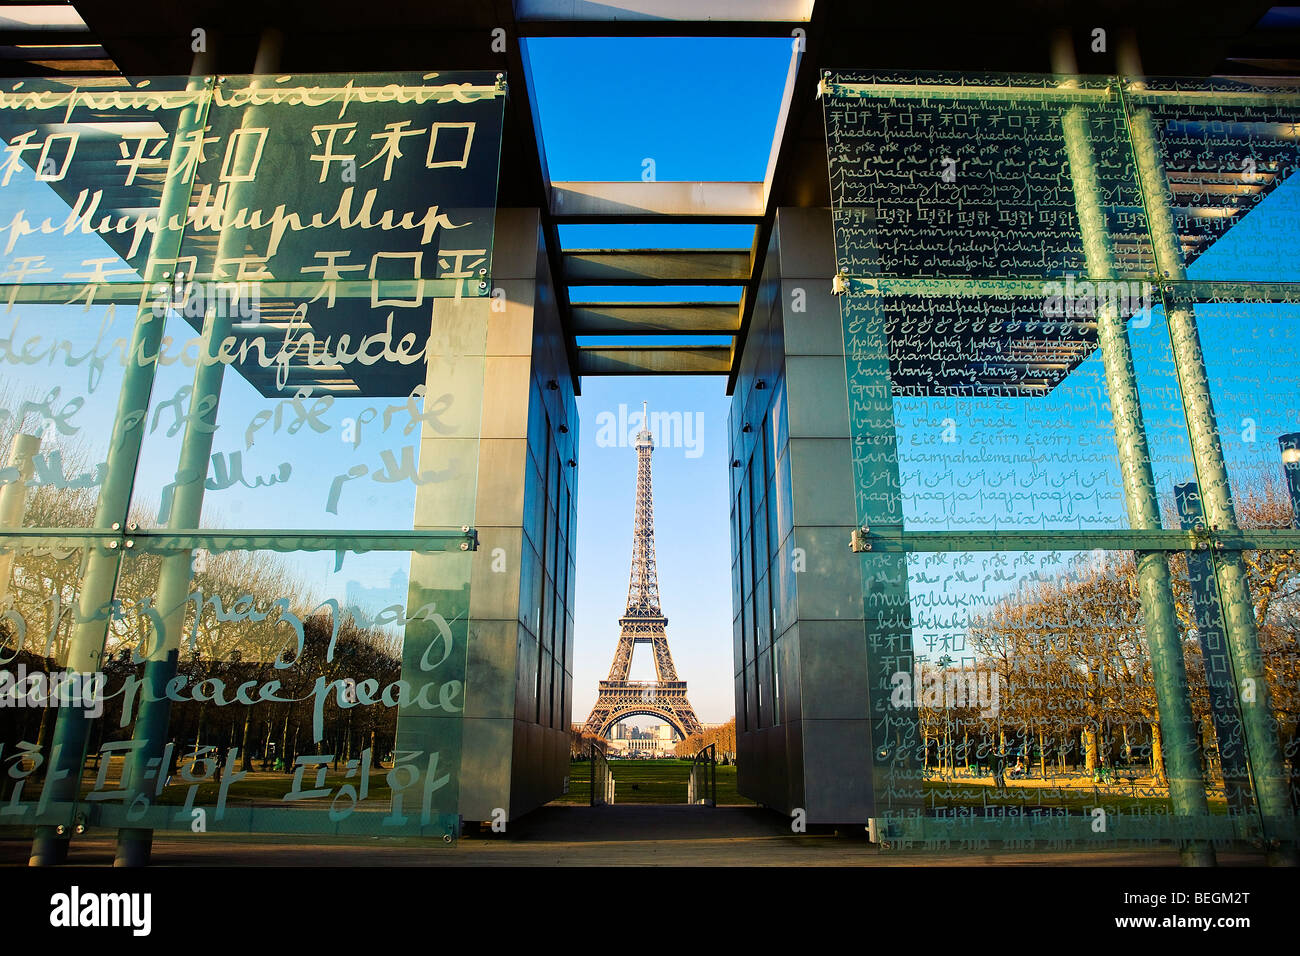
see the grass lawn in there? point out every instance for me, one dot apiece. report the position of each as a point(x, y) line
point(648, 781)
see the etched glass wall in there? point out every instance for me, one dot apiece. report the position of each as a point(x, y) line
point(1069, 309)
point(241, 372)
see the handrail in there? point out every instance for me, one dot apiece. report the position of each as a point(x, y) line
point(602, 789)
point(709, 772)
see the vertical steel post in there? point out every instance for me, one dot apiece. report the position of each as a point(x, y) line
point(91, 620)
point(1219, 681)
point(1267, 767)
point(174, 578)
point(1164, 641)
point(134, 845)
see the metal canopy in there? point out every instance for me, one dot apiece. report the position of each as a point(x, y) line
point(1189, 37)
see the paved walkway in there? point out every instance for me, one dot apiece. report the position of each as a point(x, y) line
point(673, 835)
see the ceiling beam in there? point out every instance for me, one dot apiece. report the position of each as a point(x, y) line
point(650, 318)
point(797, 109)
point(527, 117)
point(656, 267)
point(654, 360)
point(633, 202)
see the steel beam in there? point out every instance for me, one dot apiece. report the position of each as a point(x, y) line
point(649, 318)
point(656, 267)
point(1155, 585)
point(1272, 786)
point(654, 360)
point(633, 202)
point(175, 576)
point(776, 189)
point(1220, 684)
point(86, 648)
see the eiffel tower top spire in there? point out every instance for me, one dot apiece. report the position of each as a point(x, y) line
point(643, 586)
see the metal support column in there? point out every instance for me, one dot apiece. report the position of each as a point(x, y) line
point(174, 582)
point(1219, 680)
point(134, 845)
point(1160, 623)
point(86, 648)
point(1267, 767)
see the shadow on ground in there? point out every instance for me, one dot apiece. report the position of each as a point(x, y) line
point(646, 835)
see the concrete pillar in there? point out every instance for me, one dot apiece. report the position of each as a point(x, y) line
point(831, 746)
point(516, 448)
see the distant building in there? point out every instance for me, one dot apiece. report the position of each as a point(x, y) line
point(657, 739)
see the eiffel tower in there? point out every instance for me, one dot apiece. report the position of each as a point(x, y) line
point(643, 623)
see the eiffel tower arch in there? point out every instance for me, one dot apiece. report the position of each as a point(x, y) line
point(643, 623)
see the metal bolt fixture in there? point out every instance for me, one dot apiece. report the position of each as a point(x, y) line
point(464, 529)
point(112, 546)
point(130, 543)
point(482, 286)
point(133, 526)
point(482, 272)
point(464, 545)
point(116, 526)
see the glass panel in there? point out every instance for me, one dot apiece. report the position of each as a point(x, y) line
point(40, 680)
point(385, 442)
point(1228, 149)
point(296, 695)
point(1250, 351)
point(995, 411)
point(62, 369)
point(348, 178)
point(1035, 702)
point(1111, 350)
point(236, 304)
point(353, 390)
point(969, 176)
point(85, 174)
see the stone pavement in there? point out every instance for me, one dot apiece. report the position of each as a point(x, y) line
point(628, 835)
